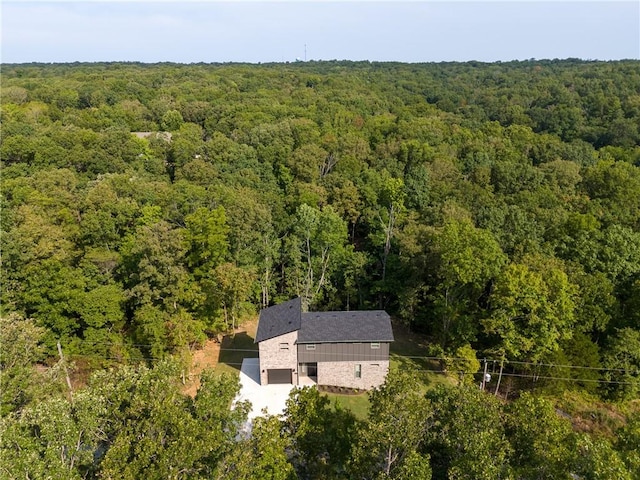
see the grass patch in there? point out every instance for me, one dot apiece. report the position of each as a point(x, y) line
point(427, 371)
point(408, 353)
point(407, 342)
point(357, 404)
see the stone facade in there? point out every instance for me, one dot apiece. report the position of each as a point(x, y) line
point(279, 352)
point(343, 374)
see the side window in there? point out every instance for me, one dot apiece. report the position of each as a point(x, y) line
point(358, 371)
point(375, 345)
point(311, 346)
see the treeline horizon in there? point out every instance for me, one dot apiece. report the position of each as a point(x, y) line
point(314, 61)
point(492, 207)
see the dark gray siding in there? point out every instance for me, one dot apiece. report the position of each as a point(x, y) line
point(343, 352)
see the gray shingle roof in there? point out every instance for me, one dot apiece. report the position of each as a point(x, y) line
point(323, 327)
point(356, 326)
point(279, 319)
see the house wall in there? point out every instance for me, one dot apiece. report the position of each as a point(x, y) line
point(273, 356)
point(342, 374)
point(343, 352)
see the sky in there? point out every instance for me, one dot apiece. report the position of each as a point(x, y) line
point(281, 31)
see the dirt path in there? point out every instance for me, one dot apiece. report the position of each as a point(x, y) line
point(209, 356)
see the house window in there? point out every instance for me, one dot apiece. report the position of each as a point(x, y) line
point(311, 346)
point(284, 346)
point(375, 345)
point(358, 371)
point(375, 365)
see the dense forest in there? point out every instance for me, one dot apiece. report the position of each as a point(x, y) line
point(491, 208)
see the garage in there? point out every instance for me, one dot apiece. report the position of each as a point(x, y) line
point(279, 375)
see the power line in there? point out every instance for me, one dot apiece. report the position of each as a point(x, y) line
point(424, 370)
point(396, 355)
point(567, 379)
point(514, 362)
point(504, 374)
point(553, 365)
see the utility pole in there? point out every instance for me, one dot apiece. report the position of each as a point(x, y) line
point(484, 374)
point(499, 377)
point(66, 372)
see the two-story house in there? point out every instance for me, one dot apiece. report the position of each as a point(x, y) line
point(344, 349)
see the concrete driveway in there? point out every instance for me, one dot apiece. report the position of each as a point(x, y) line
point(271, 398)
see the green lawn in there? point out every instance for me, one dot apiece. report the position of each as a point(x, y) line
point(428, 371)
point(358, 404)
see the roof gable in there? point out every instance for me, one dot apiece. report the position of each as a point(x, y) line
point(279, 319)
point(354, 326)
